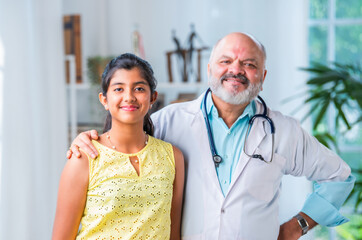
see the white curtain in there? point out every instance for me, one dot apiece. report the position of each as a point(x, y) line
point(33, 133)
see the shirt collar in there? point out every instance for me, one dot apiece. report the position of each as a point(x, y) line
point(248, 111)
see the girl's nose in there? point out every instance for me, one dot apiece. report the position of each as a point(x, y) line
point(129, 96)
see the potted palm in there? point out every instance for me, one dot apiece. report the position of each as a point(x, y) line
point(337, 88)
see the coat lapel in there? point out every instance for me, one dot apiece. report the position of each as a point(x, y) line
point(256, 135)
point(198, 129)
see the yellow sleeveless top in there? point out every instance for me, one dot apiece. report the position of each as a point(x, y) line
point(122, 205)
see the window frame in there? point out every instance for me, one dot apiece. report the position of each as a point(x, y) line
point(331, 22)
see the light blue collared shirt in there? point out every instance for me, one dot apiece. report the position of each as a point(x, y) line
point(322, 205)
point(228, 140)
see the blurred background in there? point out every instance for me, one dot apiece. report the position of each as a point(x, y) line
point(53, 52)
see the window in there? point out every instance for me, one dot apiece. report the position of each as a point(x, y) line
point(335, 35)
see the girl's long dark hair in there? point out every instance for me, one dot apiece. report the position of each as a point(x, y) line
point(129, 61)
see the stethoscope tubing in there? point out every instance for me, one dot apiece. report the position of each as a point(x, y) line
point(217, 158)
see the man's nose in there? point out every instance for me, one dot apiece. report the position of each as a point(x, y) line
point(236, 68)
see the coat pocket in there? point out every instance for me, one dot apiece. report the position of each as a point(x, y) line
point(263, 178)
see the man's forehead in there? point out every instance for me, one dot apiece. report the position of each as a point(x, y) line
point(237, 44)
point(237, 50)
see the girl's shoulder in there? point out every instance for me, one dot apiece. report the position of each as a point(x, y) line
point(174, 153)
point(160, 144)
point(158, 141)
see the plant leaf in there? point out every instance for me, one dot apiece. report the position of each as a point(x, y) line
point(310, 112)
point(325, 138)
point(322, 96)
point(321, 114)
point(325, 78)
point(341, 113)
point(322, 140)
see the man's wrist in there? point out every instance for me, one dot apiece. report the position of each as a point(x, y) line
point(302, 223)
point(290, 230)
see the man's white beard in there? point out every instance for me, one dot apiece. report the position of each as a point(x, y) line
point(235, 97)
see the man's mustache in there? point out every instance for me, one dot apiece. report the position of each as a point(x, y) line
point(239, 76)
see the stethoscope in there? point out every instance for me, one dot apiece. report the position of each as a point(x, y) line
point(217, 158)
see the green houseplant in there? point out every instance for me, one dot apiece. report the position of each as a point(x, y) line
point(95, 67)
point(337, 88)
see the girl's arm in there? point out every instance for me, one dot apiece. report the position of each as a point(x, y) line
point(72, 197)
point(178, 188)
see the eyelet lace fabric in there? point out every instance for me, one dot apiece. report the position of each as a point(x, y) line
point(124, 205)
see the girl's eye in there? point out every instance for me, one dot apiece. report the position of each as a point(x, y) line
point(118, 89)
point(140, 89)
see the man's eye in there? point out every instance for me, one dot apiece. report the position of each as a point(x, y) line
point(225, 61)
point(249, 65)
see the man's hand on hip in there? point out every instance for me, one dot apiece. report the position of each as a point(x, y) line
point(291, 230)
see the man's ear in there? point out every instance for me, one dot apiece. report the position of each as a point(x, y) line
point(208, 70)
point(103, 100)
point(264, 75)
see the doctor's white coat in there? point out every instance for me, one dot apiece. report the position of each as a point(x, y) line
point(250, 208)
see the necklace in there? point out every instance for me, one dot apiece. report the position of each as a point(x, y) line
point(114, 146)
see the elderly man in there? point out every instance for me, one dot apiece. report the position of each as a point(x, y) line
point(234, 166)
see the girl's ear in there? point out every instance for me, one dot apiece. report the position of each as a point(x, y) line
point(154, 97)
point(103, 100)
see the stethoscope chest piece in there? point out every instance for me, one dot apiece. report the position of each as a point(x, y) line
point(217, 160)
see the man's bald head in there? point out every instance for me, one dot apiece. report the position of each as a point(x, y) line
point(241, 37)
point(236, 68)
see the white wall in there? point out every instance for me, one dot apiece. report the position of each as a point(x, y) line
point(33, 126)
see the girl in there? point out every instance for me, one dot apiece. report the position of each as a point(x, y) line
point(134, 188)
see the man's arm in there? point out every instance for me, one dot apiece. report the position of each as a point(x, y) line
point(333, 182)
point(321, 207)
point(328, 197)
point(84, 141)
point(292, 230)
